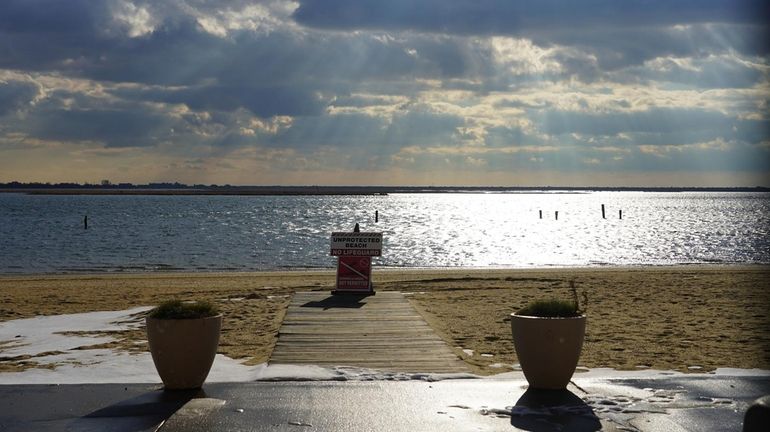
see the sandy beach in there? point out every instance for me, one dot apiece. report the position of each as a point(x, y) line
point(688, 318)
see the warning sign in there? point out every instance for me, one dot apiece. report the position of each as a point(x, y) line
point(354, 273)
point(358, 244)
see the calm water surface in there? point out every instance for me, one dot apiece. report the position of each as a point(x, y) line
point(217, 233)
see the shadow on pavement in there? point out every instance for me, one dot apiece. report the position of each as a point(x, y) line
point(553, 410)
point(141, 413)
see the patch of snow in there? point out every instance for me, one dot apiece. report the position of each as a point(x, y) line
point(33, 336)
point(281, 372)
point(741, 372)
point(502, 365)
point(75, 365)
point(278, 372)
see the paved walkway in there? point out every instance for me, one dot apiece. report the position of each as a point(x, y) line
point(664, 404)
point(382, 331)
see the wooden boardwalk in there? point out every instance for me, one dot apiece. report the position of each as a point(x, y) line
point(382, 331)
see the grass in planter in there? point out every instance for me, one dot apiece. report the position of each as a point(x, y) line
point(177, 309)
point(555, 308)
point(551, 308)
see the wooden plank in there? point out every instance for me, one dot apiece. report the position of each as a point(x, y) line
point(382, 331)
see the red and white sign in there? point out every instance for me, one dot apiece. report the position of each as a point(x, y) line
point(359, 244)
point(354, 273)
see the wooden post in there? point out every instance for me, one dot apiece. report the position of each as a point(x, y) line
point(557, 214)
point(603, 212)
point(541, 214)
point(376, 216)
point(620, 214)
point(85, 222)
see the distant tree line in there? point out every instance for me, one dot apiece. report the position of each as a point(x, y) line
point(103, 185)
point(106, 186)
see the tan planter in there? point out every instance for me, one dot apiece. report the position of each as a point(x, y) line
point(548, 348)
point(183, 350)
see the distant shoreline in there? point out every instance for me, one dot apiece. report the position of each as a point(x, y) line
point(35, 189)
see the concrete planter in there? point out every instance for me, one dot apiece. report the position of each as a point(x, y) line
point(183, 350)
point(548, 348)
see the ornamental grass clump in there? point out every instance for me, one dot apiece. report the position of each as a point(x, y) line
point(557, 308)
point(177, 309)
point(552, 308)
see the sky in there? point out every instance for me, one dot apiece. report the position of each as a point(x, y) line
point(397, 92)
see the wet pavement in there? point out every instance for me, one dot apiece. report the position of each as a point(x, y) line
point(673, 403)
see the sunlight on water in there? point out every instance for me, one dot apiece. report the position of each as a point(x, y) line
point(149, 233)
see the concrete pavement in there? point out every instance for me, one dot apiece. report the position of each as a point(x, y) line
point(669, 403)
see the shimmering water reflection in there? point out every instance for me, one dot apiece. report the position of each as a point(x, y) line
point(198, 233)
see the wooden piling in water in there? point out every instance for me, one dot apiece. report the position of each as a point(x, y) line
point(541, 214)
point(620, 214)
point(376, 216)
point(557, 215)
point(603, 212)
point(85, 222)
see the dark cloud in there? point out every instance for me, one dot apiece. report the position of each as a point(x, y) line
point(336, 59)
point(280, 73)
point(49, 17)
point(261, 101)
point(735, 158)
point(520, 17)
point(752, 131)
point(654, 120)
point(707, 74)
point(379, 134)
point(614, 49)
point(110, 128)
point(68, 116)
point(179, 52)
point(616, 34)
point(333, 131)
point(80, 38)
point(174, 54)
point(500, 136)
point(15, 95)
point(41, 34)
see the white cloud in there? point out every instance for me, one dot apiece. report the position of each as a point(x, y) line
point(521, 56)
point(134, 20)
point(253, 17)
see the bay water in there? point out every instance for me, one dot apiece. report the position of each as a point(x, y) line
point(138, 233)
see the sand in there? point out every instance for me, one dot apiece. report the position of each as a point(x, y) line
point(689, 318)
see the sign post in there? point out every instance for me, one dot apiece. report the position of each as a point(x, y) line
point(354, 252)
